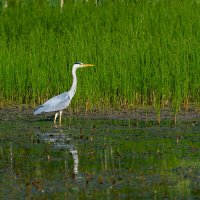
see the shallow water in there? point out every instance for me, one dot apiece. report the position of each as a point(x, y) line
point(99, 159)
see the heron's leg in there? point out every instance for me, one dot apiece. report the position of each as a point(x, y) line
point(55, 118)
point(60, 119)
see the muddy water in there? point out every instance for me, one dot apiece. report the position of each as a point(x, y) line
point(99, 159)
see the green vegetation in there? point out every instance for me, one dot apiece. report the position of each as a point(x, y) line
point(145, 52)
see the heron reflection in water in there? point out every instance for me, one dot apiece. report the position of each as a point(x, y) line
point(59, 140)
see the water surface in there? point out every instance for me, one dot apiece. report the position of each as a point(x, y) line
point(99, 159)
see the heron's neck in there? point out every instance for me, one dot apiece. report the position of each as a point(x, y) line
point(74, 83)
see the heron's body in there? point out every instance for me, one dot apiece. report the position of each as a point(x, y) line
point(61, 101)
point(56, 103)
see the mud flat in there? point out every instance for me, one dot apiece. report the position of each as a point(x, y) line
point(141, 114)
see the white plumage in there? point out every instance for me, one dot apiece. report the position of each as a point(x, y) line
point(61, 101)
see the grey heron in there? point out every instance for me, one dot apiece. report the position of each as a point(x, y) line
point(61, 101)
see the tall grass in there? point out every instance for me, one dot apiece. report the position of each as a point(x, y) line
point(145, 52)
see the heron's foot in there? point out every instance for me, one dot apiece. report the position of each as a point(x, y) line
point(60, 120)
point(59, 125)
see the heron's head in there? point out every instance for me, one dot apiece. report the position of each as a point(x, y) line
point(80, 64)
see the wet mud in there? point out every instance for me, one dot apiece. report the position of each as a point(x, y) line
point(145, 114)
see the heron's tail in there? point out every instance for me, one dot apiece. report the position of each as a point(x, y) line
point(38, 110)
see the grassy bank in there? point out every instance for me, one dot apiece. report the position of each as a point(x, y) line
point(145, 52)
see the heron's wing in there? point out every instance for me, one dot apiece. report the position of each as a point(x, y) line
point(38, 110)
point(56, 103)
point(58, 100)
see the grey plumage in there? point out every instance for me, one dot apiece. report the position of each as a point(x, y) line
point(61, 101)
point(56, 103)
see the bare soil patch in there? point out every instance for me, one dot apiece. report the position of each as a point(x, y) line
point(22, 112)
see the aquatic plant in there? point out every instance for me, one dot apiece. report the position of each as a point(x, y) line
point(145, 52)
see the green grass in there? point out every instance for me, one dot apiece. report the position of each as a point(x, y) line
point(145, 52)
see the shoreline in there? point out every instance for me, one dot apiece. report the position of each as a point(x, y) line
point(12, 113)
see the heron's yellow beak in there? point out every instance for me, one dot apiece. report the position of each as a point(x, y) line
point(87, 65)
